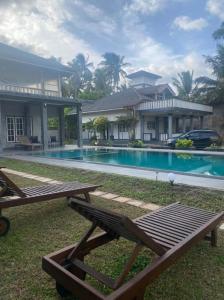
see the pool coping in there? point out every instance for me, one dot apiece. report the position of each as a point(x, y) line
point(197, 180)
point(74, 147)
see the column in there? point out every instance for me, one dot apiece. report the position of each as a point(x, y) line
point(157, 128)
point(44, 126)
point(191, 122)
point(61, 126)
point(79, 126)
point(177, 124)
point(201, 122)
point(142, 126)
point(170, 126)
point(184, 123)
point(28, 131)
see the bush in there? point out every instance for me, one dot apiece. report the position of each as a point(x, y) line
point(136, 144)
point(184, 143)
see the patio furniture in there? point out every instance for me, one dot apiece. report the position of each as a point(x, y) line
point(25, 142)
point(169, 232)
point(11, 195)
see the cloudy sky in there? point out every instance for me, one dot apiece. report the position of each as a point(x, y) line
point(162, 36)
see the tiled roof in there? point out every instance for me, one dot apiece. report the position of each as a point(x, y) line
point(126, 98)
point(143, 73)
point(11, 53)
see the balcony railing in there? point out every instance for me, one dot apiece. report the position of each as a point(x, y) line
point(172, 104)
point(28, 90)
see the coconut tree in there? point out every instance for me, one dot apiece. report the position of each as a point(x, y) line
point(114, 65)
point(81, 75)
point(101, 82)
point(185, 85)
point(211, 90)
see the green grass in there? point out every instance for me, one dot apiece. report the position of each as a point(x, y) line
point(161, 193)
point(41, 228)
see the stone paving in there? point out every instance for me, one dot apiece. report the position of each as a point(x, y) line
point(98, 193)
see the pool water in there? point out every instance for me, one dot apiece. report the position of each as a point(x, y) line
point(212, 165)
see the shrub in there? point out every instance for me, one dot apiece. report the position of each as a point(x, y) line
point(136, 144)
point(184, 143)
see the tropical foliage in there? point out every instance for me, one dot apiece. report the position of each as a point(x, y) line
point(85, 82)
point(184, 143)
point(129, 121)
point(211, 90)
point(185, 85)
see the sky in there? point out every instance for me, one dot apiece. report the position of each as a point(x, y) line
point(161, 36)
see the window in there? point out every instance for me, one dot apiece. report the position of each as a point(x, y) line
point(15, 127)
point(151, 125)
point(122, 128)
point(53, 123)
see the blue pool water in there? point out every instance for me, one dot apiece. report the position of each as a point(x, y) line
point(212, 165)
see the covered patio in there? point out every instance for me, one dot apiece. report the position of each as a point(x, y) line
point(29, 114)
point(163, 119)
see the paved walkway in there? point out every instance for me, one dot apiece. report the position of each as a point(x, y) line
point(98, 193)
point(101, 194)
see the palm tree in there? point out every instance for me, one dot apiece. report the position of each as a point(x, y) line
point(212, 90)
point(101, 81)
point(82, 75)
point(185, 85)
point(113, 65)
point(219, 33)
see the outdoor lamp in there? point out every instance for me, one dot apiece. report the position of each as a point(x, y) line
point(171, 177)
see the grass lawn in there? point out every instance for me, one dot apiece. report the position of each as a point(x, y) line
point(41, 228)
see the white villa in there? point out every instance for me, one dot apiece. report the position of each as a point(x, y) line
point(160, 115)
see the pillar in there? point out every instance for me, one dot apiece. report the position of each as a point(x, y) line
point(170, 126)
point(142, 125)
point(44, 126)
point(79, 126)
point(191, 122)
point(177, 124)
point(28, 129)
point(61, 126)
point(201, 122)
point(157, 128)
point(184, 123)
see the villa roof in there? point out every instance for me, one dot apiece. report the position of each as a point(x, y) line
point(143, 73)
point(14, 54)
point(127, 98)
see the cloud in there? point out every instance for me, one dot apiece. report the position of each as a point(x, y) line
point(216, 7)
point(146, 6)
point(148, 54)
point(187, 24)
point(38, 25)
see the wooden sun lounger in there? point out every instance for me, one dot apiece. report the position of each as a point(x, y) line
point(11, 195)
point(169, 232)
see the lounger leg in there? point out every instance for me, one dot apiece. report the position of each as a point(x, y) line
point(77, 271)
point(140, 295)
point(214, 237)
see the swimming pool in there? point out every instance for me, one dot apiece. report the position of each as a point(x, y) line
point(210, 165)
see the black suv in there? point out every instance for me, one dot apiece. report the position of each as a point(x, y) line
point(200, 138)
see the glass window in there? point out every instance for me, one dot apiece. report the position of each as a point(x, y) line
point(15, 127)
point(151, 125)
point(122, 127)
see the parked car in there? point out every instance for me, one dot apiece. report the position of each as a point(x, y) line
point(201, 138)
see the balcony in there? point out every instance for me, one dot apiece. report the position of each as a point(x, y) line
point(28, 90)
point(170, 105)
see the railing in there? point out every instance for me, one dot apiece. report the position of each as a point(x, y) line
point(28, 90)
point(173, 103)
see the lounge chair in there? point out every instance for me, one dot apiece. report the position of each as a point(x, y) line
point(169, 232)
point(25, 142)
point(11, 195)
